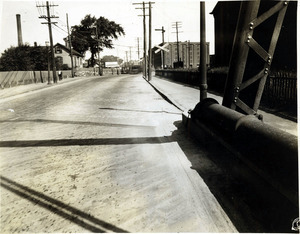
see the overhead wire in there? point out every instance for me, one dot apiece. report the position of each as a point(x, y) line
point(60, 25)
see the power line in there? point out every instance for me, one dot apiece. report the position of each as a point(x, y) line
point(144, 29)
point(144, 32)
point(48, 17)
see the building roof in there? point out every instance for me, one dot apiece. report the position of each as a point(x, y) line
point(68, 50)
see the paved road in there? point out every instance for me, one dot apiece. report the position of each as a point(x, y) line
point(101, 154)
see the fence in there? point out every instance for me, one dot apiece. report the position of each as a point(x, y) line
point(14, 78)
point(280, 91)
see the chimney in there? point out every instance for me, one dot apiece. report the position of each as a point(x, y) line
point(20, 41)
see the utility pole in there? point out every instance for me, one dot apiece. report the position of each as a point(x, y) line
point(47, 48)
point(96, 38)
point(150, 41)
point(177, 25)
point(145, 44)
point(70, 47)
point(144, 32)
point(163, 42)
point(188, 51)
point(48, 18)
point(203, 53)
point(98, 51)
point(145, 40)
point(138, 42)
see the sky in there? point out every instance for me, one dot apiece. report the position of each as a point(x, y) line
point(164, 14)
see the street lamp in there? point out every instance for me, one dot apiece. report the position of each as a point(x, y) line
point(47, 48)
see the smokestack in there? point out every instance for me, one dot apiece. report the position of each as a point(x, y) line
point(20, 41)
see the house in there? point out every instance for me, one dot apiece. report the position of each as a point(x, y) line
point(62, 53)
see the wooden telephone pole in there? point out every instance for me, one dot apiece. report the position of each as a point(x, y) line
point(48, 18)
point(147, 72)
point(70, 47)
point(177, 25)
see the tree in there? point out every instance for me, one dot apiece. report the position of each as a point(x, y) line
point(95, 34)
point(24, 58)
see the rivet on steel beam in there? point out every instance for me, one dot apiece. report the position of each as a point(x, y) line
point(250, 27)
point(285, 3)
point(251, 24)
point(266, 70)
point(249, 37)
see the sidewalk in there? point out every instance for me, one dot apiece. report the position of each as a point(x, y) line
point(186, 98)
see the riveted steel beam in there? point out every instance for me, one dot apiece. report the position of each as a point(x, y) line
point(240, 59)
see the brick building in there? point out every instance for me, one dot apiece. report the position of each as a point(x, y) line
point(189, 54)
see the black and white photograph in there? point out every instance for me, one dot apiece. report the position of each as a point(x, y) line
point(166, 116)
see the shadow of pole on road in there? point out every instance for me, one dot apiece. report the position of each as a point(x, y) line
point(70, 213)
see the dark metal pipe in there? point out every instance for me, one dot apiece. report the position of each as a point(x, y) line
point(269, 151)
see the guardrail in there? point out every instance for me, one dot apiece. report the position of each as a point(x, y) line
point(268, 151)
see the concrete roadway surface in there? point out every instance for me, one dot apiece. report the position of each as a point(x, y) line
point(103, 154)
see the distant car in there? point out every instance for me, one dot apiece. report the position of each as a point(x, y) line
point(135, 69)
point(124, 70)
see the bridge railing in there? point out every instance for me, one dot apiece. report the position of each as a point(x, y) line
point(280, 89)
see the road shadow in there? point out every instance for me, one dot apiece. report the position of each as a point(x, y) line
point(59, 208)
point(249, 201)
point(85, 142)
point(74, 122)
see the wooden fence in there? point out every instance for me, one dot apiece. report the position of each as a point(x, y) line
point(14, 78)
